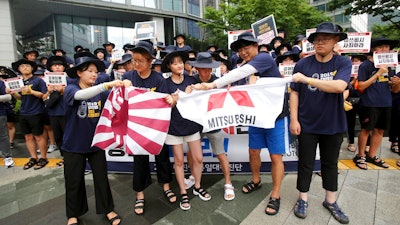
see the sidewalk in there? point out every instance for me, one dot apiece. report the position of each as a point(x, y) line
point(367, 197)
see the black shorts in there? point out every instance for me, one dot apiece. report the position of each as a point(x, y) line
point(11, 117)
point(32, 124)
point(46, 119)
point(375, 117)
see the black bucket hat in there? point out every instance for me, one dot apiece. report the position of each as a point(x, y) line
point(55, 59)
point(109, 43)
point(327, 28)
point(128, 46)
point(167, 60)
point(204, 60)
point(180, 35)
point(30, 51)
point(16, 64)
point(157, 62)
point(384, 41)
point(125, 58)
point(103, 50)
point(243, 38)
point(144, 47)
point(83, 58)
point(161, 45)
point(6, 72)
point(58, 50)
point(294, 56)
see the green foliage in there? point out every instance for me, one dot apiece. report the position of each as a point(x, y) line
point(388, 31)
point(294, 16)
point(387, 9)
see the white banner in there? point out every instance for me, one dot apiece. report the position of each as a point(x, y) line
point(255, 105)
point(385, 58)
point(356, 43)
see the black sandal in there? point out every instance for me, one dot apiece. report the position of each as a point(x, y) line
point(184, 200)
point(41, 163)
point(112, 220)
point(201, 193)
point(169, 195)
point(395, 147)
point(30, 163)
point(251, 186)
point(273, 204)
point(360, 162)
point(377, 161)
point(139, 204)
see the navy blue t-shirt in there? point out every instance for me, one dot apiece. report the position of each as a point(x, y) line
point(58, 109)
point(81, 117)
point(378, 94)
point(3, 105)
point(31, 105)
point(154, 82)
point(178, 125)
point(321, 112)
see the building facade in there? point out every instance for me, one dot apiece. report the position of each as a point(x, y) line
point(48, 24)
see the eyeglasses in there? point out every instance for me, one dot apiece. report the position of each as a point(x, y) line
point(245, 49)
point(322, 40)
point(139, 62)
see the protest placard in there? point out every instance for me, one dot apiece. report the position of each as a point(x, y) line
point(55, 78)
point(14, 84)
point(286, 69)
point(356, 43)
point(145, 30)
point(385, 58)
point(265, 29)
point(354, 69)
point(233, 36)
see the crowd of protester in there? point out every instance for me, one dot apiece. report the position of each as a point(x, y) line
point(58, 117)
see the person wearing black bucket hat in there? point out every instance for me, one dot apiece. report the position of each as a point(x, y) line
point(32, 112)
point(109, 46)
point(101, 53)
point(61, 52)
point(204, 65)
point(144, 77)
point(180, 43)
point(375, 103)
point(84, 102)
point(182, 130)
point(31, 55)
point(278, 140)
point(317, 92)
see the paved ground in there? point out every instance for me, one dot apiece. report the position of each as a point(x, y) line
point(368, 197)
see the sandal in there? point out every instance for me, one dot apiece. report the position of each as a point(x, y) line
point(112, 220)
point(351, 148)
point(300, 209)
point(74, 223)
point(139, 205)
point(398, 163)
point(360, 162)
point(184, 201)
point(201, 193)
point(395, 147)
point(30, 163)
point(229, 192)
point(251, 186)
point(169, 195)
point(273, 204)
point(41, 163)
point(377, 161)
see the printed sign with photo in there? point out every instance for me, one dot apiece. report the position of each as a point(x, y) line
point(354, 69)
point(265, 29)
point(117, 54)
point(14, 84)
point(385, 58)
point(233, 36)
point(145, 30)
point(55, 78)
point(356, 43)
point(286, 69)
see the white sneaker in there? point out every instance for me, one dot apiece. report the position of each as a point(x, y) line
point(8, 162)
point(189, 182)
point(52, 148)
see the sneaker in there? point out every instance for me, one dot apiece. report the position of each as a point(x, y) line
point(189, 182)
point(8, 162)
point(336, 212)
point(52, 148)
point(300, 209)
point(12, 145)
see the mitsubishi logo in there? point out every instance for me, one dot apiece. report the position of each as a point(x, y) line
point(216, 101)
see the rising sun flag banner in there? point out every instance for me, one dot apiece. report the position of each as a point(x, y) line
point(255, 105)
point(134, 119)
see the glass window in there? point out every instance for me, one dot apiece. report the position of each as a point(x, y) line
point(194, 7)
point(115, 1)
point(193, 29)
point(172, 5)
point(145, 3)
point(210, 3)
point(321, 7)
point(339, 18)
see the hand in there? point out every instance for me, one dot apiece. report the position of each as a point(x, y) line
point(127, 83)
point(50, 88)
point(253, 79)
point(26, 90)
point(295, 127)
point(300, 78)
point(204, 86)
point(115, 83)
point(169, 99)
point(189, 89)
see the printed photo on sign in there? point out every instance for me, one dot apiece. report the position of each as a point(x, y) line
point(14, 84)
point(55, 78)
point(354, 69)
point(265, 29)
point(117, 54)
point(286, 69)
point(356, 43)
point(118, 74)
point(387, 58)
point(145, 30)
